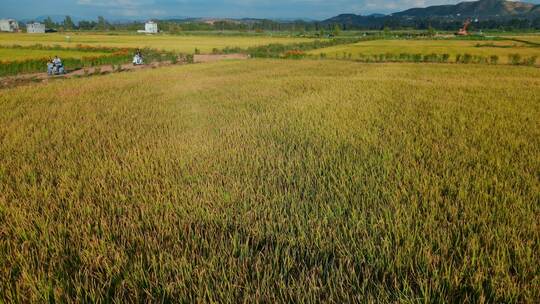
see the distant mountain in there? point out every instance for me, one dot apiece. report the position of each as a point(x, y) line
point(535, 11)
point(55, 18)
point(483, 10)
point(352, 19)
point(377, 15)
point(477, 9)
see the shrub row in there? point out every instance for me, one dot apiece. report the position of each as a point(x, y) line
point(78, 48)
point(277, 50)
point(39, 65)
point(517, 59)
point(298, 51)
point(118, 57)
point(514, 59)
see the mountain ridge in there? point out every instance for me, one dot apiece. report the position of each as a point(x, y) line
point(482, 9)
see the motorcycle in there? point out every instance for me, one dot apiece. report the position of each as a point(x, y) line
point(55, 69)
point(138, 60)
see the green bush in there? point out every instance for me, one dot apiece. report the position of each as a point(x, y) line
point(114, 58)
point(514, 59)
point(276, 50)
point(404, 57)
point(445, 57)
point(530, 61)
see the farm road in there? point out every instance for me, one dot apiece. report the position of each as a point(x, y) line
point(12, 81)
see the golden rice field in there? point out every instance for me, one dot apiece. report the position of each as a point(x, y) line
point(10, 54)
point(186, 44)
point(487, 48)
point(532, 37)
point(273, 181)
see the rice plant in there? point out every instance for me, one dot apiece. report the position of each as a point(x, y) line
point(275, 181)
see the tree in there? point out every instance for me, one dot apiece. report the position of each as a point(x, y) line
point(386, 30)
point(337, 30)
point(431, 31)
point(102, 23)
point(68, 23)
point(49, 23)
point(87, 25)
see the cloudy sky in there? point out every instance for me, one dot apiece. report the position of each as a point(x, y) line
point(120, 9)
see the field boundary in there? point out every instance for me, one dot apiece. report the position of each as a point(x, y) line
point(22, 79)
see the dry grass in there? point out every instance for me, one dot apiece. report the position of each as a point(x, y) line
point(185, 44)
point(274, 181)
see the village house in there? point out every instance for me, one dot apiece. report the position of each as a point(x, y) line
point(9, 25)
point(150, 27)
point(35, 28)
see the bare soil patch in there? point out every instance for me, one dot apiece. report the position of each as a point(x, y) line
point(218, 57)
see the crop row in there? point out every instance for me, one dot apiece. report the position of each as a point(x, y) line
point(513, 59)
point(78, 48)
point(276, 50)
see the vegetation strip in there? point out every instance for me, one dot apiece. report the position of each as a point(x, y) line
point(115, 56)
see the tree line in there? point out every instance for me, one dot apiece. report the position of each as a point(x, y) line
point(260, 25)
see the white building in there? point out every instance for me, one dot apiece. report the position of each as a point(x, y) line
point(35, 28)
point(9, 25)
point(150, 28)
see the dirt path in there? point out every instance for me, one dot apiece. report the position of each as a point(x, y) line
point(211, 58)
point(12, 81)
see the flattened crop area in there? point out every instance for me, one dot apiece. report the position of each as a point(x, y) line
point(269, 180)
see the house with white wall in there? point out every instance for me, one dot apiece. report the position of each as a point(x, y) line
point(9, 25)
point(150, 27)
point(35, 28)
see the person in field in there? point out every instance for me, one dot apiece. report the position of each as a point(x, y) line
point(50, 66)
point(55, 66)
point(57, 61)
point(138, 58)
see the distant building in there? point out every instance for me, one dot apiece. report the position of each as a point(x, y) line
point(9, 25)
point(35, 28)
point(150, 28)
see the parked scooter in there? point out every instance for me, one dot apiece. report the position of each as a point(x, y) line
point(138, 58)
point(55, 67)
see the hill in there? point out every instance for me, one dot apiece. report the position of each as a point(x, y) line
point(357, 20)
point(482, 8)
point(498, 10)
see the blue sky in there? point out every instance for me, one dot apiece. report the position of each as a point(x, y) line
point(122, 9)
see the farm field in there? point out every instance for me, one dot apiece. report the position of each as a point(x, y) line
point(487, 48)
point(11, 54)
point(273, 180)
point(529, 37)
point(186, 44)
